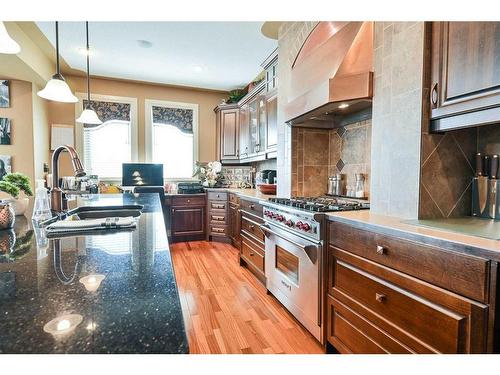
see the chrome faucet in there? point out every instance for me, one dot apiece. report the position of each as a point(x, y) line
point(57, 196)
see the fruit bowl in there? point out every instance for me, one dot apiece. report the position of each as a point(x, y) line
point(267, 188)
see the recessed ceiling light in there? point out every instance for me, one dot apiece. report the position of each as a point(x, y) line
point(144, 43)
point(198, 68)
point(343, 105)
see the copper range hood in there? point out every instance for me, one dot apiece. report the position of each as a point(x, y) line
point(332, 75)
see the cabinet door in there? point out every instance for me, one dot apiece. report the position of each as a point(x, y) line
point(234, 219)
point(188, 221)
point(253, 114)
point(272, 123)
point(465, 67)
point(262, 123)
point(244, 131)
point(229, 134)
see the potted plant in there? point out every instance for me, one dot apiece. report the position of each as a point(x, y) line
point(13, 184)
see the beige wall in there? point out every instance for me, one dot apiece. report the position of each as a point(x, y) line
point(41, 132)
point(21, 115)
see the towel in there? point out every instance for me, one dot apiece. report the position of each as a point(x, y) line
point(91, 224)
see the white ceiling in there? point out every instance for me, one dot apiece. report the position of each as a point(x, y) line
point(212, 55)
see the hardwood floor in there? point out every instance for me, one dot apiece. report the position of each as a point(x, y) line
point(226, 310)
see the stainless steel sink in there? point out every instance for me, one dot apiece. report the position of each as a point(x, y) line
point(99, 212)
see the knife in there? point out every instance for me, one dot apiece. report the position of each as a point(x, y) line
point(479, 164)
point(493, 167)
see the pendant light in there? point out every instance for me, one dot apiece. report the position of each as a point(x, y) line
point(88, 115)
point(7, 44)
point(57, 89)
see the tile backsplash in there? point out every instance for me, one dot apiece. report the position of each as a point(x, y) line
point(320, 153)
point(448, 167)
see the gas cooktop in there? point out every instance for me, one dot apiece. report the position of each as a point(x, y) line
point(322, 204)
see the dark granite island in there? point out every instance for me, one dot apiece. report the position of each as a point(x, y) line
point(135, 309)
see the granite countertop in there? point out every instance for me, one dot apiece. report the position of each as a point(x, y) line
point(136, 308)
point(254, 194)
point(449, 239)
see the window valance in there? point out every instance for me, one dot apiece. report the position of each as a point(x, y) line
point(107, 111)
point(181, 118)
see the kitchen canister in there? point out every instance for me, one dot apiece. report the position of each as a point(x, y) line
point(7, 216)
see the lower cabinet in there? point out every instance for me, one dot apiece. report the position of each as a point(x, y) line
point(234, 220)
point(373, 308)
point(252, 250)
point(187, 217)
point(218, 216)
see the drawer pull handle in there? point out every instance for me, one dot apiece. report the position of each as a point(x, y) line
point(252, 227)
point(380, 250)
point(288, 286)
point(218, 196)
point(380, 297)
point(218, 230)
point(252, 254)
point(252, 206)
point(218, 218)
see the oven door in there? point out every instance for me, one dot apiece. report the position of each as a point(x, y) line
point(292, 265)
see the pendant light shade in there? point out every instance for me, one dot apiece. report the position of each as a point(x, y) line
point(88, 116)
point(57, 89)
point(7, 44)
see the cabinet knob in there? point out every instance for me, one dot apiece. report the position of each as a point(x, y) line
point(218, 196)
point(252, 254)
point(380, 297)
point(252, 227)
point(380, 250)
point(252, 206)
point(189, 200)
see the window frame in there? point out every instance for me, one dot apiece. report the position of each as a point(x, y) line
point(134, 142)
point(148, 114)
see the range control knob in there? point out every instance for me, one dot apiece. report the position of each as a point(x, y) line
point(281, 218)
point(289, 223)
point(299, 224)
point(306, 227)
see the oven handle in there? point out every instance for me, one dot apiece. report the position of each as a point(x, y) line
point(308, 249)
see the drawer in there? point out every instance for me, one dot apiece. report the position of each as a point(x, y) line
point(217, 218)
point(252, 228)
point(252, 253)
point(215, 195)
point(217, 205)
point(251, 207)
point(350, 332)
point(218, 230)
point(443, 330)
point(463, 274)
point(234, 199)
point(188, 201)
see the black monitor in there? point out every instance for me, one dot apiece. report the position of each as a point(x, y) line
point(142, 174)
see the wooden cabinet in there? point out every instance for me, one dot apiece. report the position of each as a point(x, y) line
point(270, 65)
point(389, 295)
point(244, 131)
point(465, 71)
point(187, 216)
point(252, 250)
point(228, 132)
point(218, 216)
point(271, 122)
point(234, 220)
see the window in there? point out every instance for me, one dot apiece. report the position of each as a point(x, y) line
point(104, 148)
point(171, 136)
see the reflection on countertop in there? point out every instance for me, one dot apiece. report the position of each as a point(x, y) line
point(122, 285)
point(451, 236)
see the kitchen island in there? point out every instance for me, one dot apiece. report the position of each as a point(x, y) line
point(134, 309)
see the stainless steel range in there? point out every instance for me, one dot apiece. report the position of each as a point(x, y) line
point(295, 235)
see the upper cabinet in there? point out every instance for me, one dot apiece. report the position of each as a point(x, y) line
point(255, 117)
point(228, 128)
point(465, 71)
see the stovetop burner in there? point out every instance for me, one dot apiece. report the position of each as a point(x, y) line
point(322, 204)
